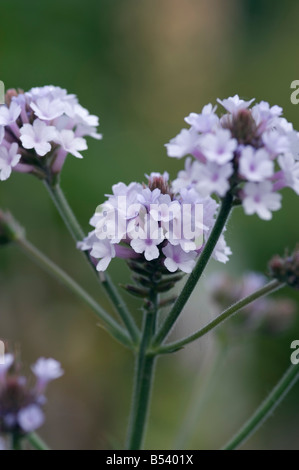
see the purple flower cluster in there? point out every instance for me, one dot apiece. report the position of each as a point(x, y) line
point(153, 222)
point(39, 128)
point(20, 403)
point(253, 152)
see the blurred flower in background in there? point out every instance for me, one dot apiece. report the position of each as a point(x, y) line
point(264, 315)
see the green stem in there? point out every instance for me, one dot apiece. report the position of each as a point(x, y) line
point(112, 326)
point(77, 233)
point(266, 409)
point(121, 308)
point(142, 381)
point(16, 441)
point(36, 442)
point(272, 286)
point(65, 211)
point(197, 271)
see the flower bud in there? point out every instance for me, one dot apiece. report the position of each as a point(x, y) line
point(286, 269)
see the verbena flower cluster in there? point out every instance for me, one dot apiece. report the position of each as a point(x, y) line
point(39, 128)
point(250, 151)
point(21, 404)
point(153, 222)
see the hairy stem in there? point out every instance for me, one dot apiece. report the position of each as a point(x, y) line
point(143, 380)
point(65, 211)
point(266, 409)
point(272, 286)
point(77, 233)
point(36, 441)
point(111, 325)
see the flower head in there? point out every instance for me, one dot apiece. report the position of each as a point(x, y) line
point(251, 152)
point(39, 128)
point(158, 228)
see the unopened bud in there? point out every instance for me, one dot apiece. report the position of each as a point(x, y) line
point(9, 95)
point(286, 269)
point(243, 127)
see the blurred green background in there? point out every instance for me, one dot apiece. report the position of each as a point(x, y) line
point(142, 66)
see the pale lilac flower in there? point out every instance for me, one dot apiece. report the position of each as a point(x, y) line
point(84, 131)
point(38, 136)
point(1, 134)
point(222, 252)
point(276, 143)
point(105, 251)
point(88, 241)
point(265, 116)
point(214, 178)
point(207, 121)
point(9, 115)
point(293, 139)
point(186, 142)
point(188, 177)
point(147, 238)
point(83, 117)
point(70, 143)
point(165, 209)
point(47, 369)
point(218, 147)
point(48, 109)
point(290, 171)
point(255, 165)
point(233, 104)
point(260, 199)
point(148, 197)
point(8, 118)
point(9, 158)
point(176, 258)
point(283, 126)
point(30, 418)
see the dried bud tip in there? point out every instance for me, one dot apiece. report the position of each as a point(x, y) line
point(10, 94)
point(160, 182)
point(243, 127)
point(286, 269)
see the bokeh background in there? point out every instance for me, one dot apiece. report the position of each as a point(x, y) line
point(142, 66)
